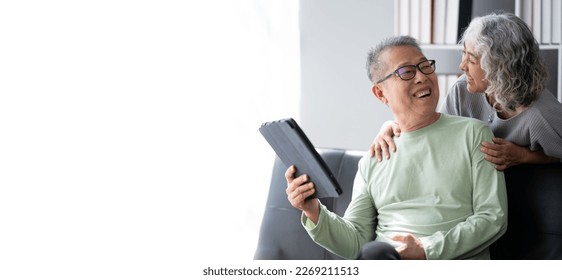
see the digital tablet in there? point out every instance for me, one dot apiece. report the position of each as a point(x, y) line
point(293, 147)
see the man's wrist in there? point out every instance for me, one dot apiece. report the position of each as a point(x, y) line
point(313, 214)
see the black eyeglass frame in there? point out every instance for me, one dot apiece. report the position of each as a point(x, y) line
point(417, 66)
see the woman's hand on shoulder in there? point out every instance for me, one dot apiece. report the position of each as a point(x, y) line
point(383, 143)
point(505, 154)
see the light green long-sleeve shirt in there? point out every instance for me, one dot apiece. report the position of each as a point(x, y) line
point(437, 186)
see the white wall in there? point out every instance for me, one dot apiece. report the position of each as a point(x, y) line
point(337, 106)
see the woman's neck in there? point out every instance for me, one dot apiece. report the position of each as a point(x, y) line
point(504, 113)
point(507, 114)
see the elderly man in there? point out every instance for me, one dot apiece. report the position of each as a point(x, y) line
point(439, 200)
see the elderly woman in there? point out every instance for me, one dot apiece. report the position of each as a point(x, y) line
point(503, 85)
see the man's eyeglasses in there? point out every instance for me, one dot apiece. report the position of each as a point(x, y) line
point(408, 72)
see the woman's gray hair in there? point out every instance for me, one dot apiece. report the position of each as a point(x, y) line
point(509, 56)
point(376, 67)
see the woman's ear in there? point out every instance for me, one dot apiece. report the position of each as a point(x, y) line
point(379, 93)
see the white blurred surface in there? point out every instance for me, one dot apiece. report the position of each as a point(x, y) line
point(129, 140)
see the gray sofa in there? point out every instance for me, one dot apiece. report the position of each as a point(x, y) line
point(534, 217)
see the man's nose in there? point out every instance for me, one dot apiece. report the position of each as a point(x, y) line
point(420, 77)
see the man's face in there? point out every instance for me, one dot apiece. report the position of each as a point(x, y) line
point(409, 100)
point(470, 64)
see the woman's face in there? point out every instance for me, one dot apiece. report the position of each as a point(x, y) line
point(470, 64)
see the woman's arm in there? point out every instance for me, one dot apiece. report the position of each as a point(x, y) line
point(505, 154)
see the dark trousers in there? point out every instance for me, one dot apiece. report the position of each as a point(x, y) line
point(377, 250)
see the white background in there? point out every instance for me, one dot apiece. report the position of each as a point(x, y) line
point(129, 142)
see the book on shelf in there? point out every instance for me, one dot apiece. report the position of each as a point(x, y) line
point(546, 21)
point(425, 21)
point(450, 18)
point(524, 9)
point(402, 19)
point(556, 22)
point(415, 17)
point(452, 21)
point(465, 15)
point(439, 19)
point(536, 26)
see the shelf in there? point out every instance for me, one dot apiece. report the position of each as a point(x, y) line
point(448, 56)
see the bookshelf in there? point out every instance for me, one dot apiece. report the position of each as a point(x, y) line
point(449, 18)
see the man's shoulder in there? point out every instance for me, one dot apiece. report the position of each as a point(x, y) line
point(460, 120)
point(367, 161)
point(465, 123)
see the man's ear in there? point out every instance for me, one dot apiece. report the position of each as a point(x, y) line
point(379, 93)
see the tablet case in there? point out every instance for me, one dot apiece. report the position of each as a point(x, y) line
point(293, 147)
